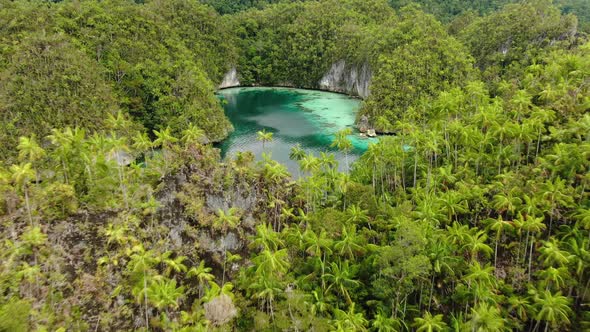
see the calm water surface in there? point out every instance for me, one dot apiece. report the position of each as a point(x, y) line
point(307, 117)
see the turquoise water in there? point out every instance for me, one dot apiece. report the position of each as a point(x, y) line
point(294, 116)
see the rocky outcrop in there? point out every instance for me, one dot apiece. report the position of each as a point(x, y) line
point(230, 79)
point(349, 79)
point(363, 124)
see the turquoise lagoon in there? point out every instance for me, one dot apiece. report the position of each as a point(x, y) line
point(294, 116)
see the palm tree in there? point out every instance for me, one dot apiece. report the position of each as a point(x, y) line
point(142, 142)
point(540, 118)
point(140, 264)
point(192, 135)
point(383, 323)
point(117, 146)
point(554, 278)
point(374, 155)
point(482, 275)
point(308, 164)
point(429, 323)
point(297, 153)
point(318, 303)
point(271, 262)
point(342, 143)
point(266, 238)
point(476, 244)
point(21, 175)
point(499, 225)
point(225, 221)
point(264, 136)
point(29, 149)
point(520, 306)
point(349, 320)
point(202, 273)
point(442, 259)
point(356, 215)
point(532, 225)
point(341, 277)
point(164, 294)
point(349, 243)
point(458, 233)
point(165, 139)
point(173, 264)
point(553, 309)
point(556, 193)
point(266, 289)
point(119, 123)
point(553, 255)
point(486, 318)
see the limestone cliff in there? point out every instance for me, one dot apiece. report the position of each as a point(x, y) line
point(350, 79)
point(230, 79)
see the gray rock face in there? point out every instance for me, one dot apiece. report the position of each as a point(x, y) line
point(350, 79)
point(230, 79)
point(363, 124)
point(353, 80)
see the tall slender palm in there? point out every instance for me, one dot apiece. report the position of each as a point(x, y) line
point(341, 277)
point(553, 309)
point(349, 244)
point(165, 139)
point(533, 226)
point(21, 176)
point(271, 262)
point(342, 143)
point(266, 289)
point(554, 278)
point(266, 238)
point(140, 264)
point(202, 273)
point(192, 135)
point(430, 323)
point(556, 193)
point(350, 320)
point(356, 215)
point(173, 264)
point(499, 225)
point(141, 142)
point(264, 136)
point(553, 255)
point(164, 294)
point(475, 243)
point(296, 154)
point(29, 150)
point(320, 246)
point(486, 318)
point(226, 221)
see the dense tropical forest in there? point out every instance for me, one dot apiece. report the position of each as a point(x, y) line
point(472, 213)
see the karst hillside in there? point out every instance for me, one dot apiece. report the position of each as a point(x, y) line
point(292, 165)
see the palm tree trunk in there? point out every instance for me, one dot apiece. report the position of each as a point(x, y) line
point(538, 144)
point(28, 205)
point(496, 252)
point(123, 187)
point(145, 300)
point(531, 258)
point(431, 292)
point(415, 168)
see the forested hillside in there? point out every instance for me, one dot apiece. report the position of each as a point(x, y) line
point(117, 212)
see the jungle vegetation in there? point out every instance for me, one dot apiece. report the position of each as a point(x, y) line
point(117, 212)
